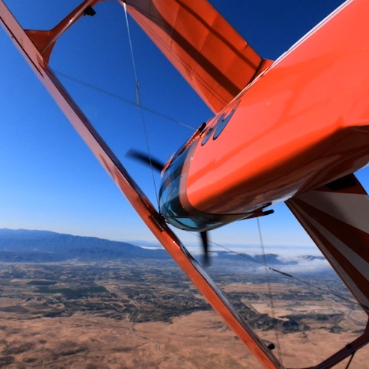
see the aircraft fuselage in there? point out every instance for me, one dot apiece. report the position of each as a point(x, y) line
point(299, 125)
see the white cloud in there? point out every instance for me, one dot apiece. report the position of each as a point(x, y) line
point(308, 266)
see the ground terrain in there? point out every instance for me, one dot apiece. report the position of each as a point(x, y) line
point(146, 314)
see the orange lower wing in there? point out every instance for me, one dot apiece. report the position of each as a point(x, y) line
point(214, 59)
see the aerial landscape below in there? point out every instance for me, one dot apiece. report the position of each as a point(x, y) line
point(81, 302)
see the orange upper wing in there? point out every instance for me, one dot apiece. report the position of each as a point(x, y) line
point(214, 59)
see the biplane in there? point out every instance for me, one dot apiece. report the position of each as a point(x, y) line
point(292, 130)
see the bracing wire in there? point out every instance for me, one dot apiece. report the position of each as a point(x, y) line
point(132, 56)
point(118, 97)
point(270, 294)
point(245, 256)
point(351, 358)
point(138, 99)
point(325, 290)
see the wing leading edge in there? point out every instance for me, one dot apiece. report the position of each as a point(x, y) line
point(213, 58)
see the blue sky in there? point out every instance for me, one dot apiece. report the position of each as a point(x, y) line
point(51, 181)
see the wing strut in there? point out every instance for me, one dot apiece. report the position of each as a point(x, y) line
point(135, 196)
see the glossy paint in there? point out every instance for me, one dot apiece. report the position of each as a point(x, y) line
point(208, 52)
point(301, 124)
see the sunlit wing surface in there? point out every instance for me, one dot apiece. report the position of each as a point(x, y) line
point(138, 200)
point(336, 218)
point(214, 59)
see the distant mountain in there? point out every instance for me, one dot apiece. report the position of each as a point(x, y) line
point(43, 246)
point(311, 257)
point(29, 246)
point(270, 259)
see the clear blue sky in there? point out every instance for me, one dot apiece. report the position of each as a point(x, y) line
point(49, 178)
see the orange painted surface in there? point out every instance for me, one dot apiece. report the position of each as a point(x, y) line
point(45, 40)
point(214, 59)
point(303, 123)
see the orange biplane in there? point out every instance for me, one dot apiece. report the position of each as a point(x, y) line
point(292, 130)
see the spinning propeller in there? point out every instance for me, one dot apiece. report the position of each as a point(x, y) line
point(145, 159)
point(158, 165)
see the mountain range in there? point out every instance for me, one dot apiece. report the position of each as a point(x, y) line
point(30, 246)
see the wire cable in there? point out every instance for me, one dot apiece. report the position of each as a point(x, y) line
point(245, 256)
point(138, 101)
point(270, 294)
point(351, 358)
point(118, 97)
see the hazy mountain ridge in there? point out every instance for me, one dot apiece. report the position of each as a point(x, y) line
point(30, 246)
point(44, 246)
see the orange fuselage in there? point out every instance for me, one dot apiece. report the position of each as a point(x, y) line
point(301, 124)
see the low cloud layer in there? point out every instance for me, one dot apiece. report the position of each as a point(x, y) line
point(306, 266)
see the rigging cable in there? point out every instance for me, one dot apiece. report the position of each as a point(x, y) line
point(138, 100)
point(118, 97)
point(349, 363)
point(245, 256)
point(274, 320)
